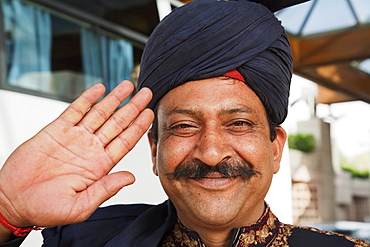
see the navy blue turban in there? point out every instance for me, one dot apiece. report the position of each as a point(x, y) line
point(207, 38)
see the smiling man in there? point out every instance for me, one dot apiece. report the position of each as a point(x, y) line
point(219, 75)
point(214, 157)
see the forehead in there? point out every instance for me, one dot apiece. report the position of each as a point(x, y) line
point(214, 94)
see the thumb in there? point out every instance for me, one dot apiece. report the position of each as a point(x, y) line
point(108, 186)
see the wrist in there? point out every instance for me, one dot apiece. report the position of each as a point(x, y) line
point(17, 231)
point(10, 213)
point(5, 234)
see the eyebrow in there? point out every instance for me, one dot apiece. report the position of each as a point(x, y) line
point(186, 112)
point(225, 112)
point(222, 112)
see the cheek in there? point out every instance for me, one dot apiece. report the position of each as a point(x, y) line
point(171, 153)
point(256, 150)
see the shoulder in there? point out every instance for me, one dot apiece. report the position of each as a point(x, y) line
point(309, 236)
point(119, 211)
point(101, 225)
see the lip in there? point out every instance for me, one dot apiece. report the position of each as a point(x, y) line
point(214, 181)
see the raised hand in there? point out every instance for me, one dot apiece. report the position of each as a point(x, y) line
point(61, 175)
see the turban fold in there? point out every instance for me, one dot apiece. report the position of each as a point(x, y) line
point(207, 38)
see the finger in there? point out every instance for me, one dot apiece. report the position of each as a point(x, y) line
point(99, 113)
point(124, 116)
point(78, 108)
point(124, 142)
point(103, 189)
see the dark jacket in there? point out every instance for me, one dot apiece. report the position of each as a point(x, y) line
point(141, 225)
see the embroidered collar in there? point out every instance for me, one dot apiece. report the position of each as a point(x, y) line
point(261, 233)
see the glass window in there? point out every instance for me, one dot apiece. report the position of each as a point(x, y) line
point(314, 17)
point(365, 66)
point(50, 55)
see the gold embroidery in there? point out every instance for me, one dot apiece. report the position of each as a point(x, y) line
point(281, 239)
point(264, 233)
point(177, 233)
point(179, 236)
point(248, 238)
point(271, 219)
point(268, 231)
point(357, 242)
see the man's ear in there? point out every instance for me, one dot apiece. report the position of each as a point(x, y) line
point(153, 150)
point(278, 146)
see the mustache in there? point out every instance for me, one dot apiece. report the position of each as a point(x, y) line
point(196, 169)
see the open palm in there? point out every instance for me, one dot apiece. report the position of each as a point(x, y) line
point(61, 175)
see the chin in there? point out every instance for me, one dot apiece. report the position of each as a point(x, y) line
point(216, 214)
point(217, 221)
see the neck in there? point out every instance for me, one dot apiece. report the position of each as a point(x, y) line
point(215, 238)
point(220, 235)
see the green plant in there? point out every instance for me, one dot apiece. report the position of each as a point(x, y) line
point(304, 142)
point(354, 167)
point(357, 173)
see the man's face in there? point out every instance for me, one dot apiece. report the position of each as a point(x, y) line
point(209, 124)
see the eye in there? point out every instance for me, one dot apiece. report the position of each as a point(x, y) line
point(183, 129)
point(240, 126)
point(180, 126)
point(241, 123)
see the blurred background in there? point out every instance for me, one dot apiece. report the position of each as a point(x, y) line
point(52, 50)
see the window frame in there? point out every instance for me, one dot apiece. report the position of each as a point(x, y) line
point(74, 15)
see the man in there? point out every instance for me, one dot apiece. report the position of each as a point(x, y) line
point(220, 74)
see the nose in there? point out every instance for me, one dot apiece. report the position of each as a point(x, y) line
point(212, 147)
